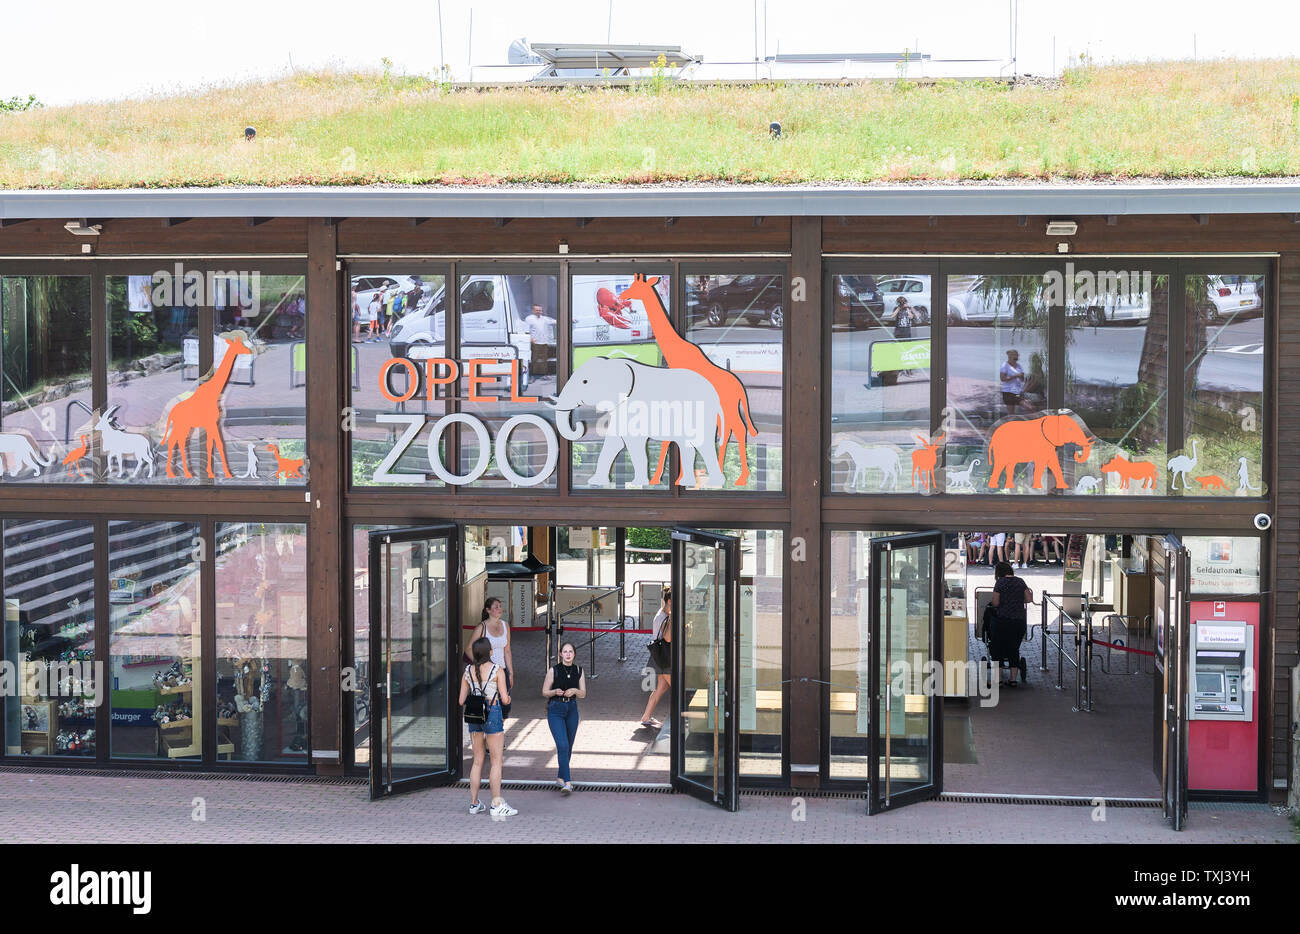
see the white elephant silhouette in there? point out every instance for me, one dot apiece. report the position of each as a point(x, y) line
point(640, 403)
point(864, 458)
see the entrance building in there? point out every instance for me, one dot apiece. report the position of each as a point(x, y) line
point(266, 454)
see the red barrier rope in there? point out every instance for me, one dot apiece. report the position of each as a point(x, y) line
point(567, 629)
point(616, 629)
point(1122, 648)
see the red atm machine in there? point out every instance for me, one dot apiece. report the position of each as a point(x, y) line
point(1223, 706)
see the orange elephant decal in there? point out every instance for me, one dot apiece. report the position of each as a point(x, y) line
point(1034, 441)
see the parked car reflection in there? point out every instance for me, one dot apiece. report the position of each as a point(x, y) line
point(719, 299)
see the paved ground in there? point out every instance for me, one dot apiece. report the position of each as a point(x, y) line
point(66, 808)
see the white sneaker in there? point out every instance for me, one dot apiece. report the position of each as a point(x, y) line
point(478, 807)
point(567, 789)
point(503, 810)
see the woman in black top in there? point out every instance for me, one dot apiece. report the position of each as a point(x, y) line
point(564, 684)
point(1010, 594)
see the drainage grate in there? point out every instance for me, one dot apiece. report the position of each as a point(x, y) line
point(527, 785)
point(193, 776)
point(801, 793)
point(962, 797)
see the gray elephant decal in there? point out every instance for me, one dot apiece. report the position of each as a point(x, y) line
point(642, 403)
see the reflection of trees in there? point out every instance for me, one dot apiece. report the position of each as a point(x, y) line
point(46, 330)
point(1212, 415)
point(1134, 420)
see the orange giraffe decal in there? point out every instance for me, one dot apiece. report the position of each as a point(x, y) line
point(1211, 482)
point(924, 459)
point(285, 466)
point(202, 409)
point(76, 455)
point(681, 353)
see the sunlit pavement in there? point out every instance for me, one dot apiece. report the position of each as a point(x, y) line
point(65, 808)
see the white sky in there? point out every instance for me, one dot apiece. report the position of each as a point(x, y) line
point(77, 50)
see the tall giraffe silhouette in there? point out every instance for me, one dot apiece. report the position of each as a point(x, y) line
point(679, 352)
point(202, 409)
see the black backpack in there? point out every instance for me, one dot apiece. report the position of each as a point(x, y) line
point(476, 705)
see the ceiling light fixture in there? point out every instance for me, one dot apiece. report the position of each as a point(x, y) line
point(80, 228)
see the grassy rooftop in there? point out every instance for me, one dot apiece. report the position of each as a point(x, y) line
point(1173, 120)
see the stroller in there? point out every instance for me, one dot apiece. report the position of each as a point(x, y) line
point(984, 632)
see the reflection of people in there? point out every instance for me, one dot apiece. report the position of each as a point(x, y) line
point(539, 332)
point(903, 317)
point(1010, 594)
point(663, 677)
point(1012, 377)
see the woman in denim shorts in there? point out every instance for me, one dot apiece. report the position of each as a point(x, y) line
point(486, 678)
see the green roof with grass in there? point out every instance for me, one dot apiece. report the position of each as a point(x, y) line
point(1180, 120)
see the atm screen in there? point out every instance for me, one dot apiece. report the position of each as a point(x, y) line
point(1209, 682)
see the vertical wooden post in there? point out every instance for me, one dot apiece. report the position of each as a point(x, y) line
point(328, 367)
point(804, 449)
point(1280, 660)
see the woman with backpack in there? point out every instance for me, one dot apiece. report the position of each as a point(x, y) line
point(482, 691)
point(564, 684)
point(660, 658)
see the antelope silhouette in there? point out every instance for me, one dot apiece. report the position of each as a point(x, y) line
point(924, 459)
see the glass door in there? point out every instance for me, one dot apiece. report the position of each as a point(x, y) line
point(1172, 634)
point(905, 726)
point(705, 735)
point(414, 663)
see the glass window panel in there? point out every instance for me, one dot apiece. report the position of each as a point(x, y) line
point(263, 399)
point(408, 323)
point(1227, 320)
point(509, 323)
point(152, 360)
point(761, 620)
point(49, 596)
point(905, 627)
point(154, 642)
point(1116, 365)
point(880, 379)
point(616, 316)
point(361, 699)
point(587, 556)
point(849, 690)
point(261, 598)
point(997, 368)
point(704, 653)
point(1224, 564)
point(46, 422)
point(739, 323)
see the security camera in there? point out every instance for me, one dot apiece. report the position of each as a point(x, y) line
point(1263, 521)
